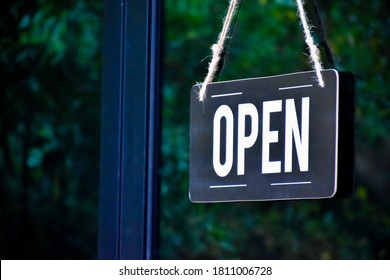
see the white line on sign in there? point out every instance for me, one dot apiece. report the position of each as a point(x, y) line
point(226, 94)
point(290, 183)
point(293, 87)
point(228, 186)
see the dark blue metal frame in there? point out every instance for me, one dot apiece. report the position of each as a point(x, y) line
point(130, 135)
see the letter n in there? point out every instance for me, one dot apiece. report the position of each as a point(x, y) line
point(301, 138)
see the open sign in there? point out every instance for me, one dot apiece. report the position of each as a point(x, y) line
point(272, 138)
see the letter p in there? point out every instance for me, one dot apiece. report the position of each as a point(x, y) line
point(243, 141)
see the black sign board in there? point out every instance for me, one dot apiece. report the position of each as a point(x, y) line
point(271, 138)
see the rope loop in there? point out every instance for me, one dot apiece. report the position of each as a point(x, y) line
point(219, 46)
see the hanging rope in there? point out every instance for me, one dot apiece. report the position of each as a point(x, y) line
point(218, 48)
point(322, 33)
point(314, 51)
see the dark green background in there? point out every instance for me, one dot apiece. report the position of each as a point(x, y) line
point(50, 77)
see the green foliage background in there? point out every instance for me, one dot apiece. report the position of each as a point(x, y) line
point(50, 65)
point(50, 60)
point(268, 41)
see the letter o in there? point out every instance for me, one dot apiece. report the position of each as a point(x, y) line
point(220, 169)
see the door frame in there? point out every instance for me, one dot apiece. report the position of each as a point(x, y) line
point(130, 130)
